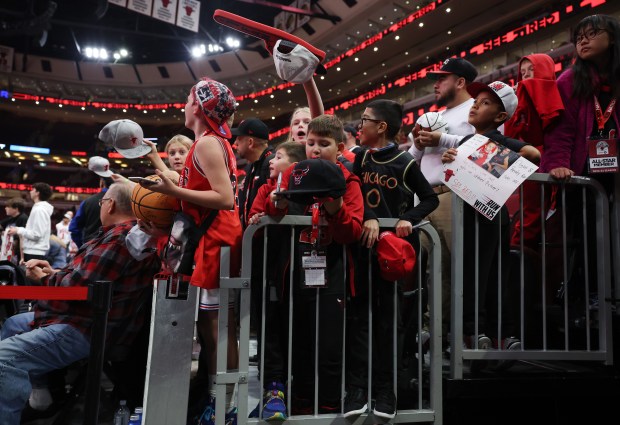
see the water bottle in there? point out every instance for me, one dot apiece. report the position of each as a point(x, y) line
point(138, 411)
point(134, 420)
point(121, 416)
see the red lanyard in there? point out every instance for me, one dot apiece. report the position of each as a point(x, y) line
point(316, 214)
point(602, 118)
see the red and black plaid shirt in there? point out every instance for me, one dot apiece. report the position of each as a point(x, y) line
point(103, 258)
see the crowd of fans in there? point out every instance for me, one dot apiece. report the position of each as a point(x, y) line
point(345, 177)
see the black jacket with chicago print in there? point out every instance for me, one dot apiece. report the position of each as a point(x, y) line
point(390, 179)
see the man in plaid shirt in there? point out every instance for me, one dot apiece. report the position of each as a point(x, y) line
point(57, 333)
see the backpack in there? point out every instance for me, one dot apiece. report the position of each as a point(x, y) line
point(183, 239)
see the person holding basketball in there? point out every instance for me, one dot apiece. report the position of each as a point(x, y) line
point(208, 182)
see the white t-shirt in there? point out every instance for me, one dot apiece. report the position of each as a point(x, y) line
point(429, 159)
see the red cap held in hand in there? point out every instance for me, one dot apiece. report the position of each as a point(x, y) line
point(396, 256)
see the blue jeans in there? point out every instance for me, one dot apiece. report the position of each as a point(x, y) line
point(25, 352)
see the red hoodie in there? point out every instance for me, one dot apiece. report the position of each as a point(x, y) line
point(540, 103)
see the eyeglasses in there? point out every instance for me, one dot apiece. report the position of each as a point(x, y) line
point(588, 35)
point(102, 200)
point(364, 120)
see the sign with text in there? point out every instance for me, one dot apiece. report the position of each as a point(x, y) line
point(188, 14)
point(484, 174)
point(165, 10)
point(141, 6)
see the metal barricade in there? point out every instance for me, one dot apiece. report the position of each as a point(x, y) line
point(576, 323)
point(427, 404)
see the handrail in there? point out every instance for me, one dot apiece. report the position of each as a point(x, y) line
point(99, 294)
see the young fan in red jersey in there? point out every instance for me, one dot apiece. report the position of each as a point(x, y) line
point(208, 182)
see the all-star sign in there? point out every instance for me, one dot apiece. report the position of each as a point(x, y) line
point(188, 14)
point(165, 10)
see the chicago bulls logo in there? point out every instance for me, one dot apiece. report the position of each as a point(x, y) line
point(448, 174)
point(497, 85)
point(134, 141)
point(165, 2)
point(298, 174)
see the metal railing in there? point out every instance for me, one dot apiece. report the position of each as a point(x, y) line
point(427, 380)
point(576, 324)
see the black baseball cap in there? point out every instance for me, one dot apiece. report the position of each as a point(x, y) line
point(315, 178)
point(351, 129)
point(457, 66)
point(252, 127)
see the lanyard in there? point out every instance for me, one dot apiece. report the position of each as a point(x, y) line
point(602, 118)
point(316, 214)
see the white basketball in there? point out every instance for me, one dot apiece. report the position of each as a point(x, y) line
point(432, 121)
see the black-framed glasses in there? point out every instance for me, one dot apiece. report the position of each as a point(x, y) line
point(102, 200)
point(588, 35)
point(364, 120)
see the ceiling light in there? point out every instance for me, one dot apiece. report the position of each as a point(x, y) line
point(124, 53)
point(448, 10)
point(397, 38)
point(255, 100)
point(163, 111)
point(449, 32)
point(60, 105)
point(124, 110)
point(103, 109)
point(421, 24)
point(145, 111)
point(196, 51)
point(12, 99)
point(447, 47)
point(233, 43)
point(356, 59)
point(376, 49)
point(338, 69)
point(103, 53)
point(116, 56)
point(322, 77)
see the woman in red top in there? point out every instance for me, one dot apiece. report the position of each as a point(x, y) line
point(207, 182)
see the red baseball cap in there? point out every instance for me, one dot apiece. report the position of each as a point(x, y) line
point(396, 256)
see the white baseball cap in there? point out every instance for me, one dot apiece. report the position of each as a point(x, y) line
point(126, 137)
point(502, 91)
point(297, 65)
point(100, 166)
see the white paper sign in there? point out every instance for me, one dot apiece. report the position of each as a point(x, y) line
point(188, 14)
point(141, 6)
point(165, 10)
point(485, 174)
point(122, 3)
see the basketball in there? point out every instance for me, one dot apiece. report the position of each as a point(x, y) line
point(152, 206)
point(430, 121)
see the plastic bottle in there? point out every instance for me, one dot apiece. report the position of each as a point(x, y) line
point(138, 411)
point(121, 416)
point(134, 420)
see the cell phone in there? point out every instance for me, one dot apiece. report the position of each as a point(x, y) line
point(143, 181)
